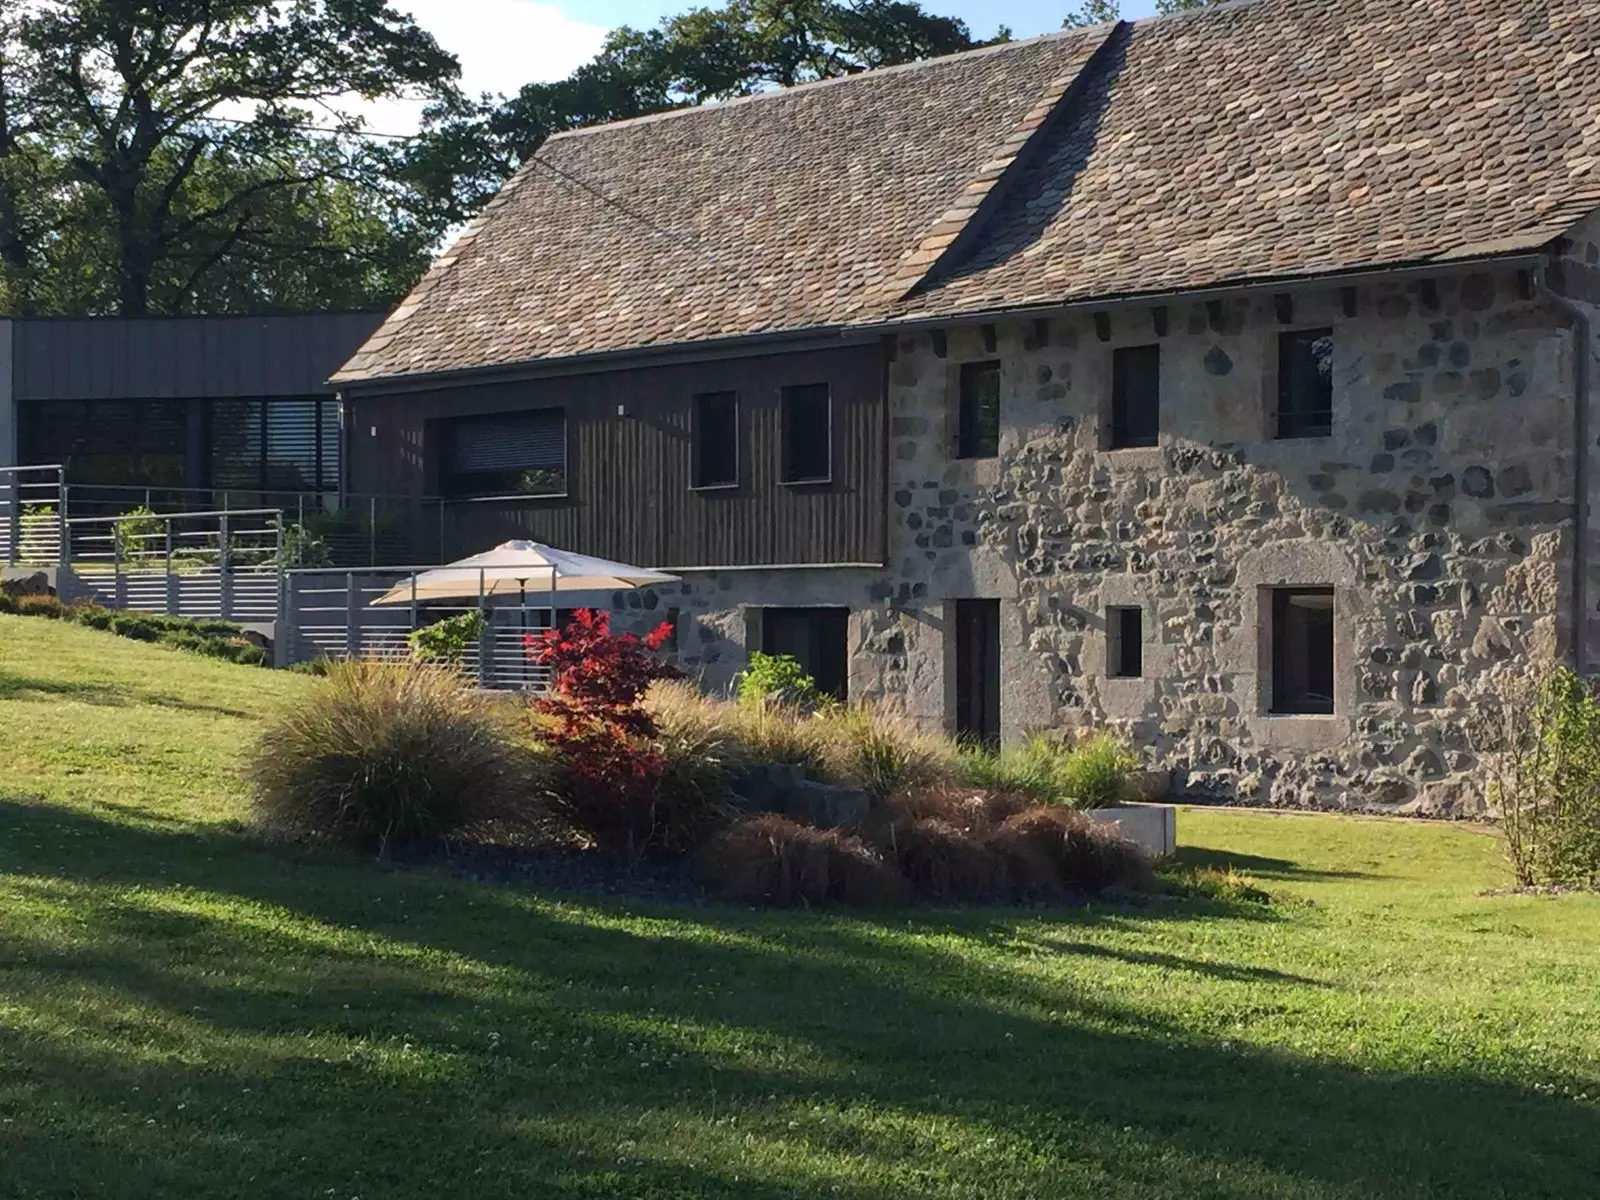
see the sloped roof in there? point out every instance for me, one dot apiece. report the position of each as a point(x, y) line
point(787, 210)
point(1283, 138)
point(1258, 140)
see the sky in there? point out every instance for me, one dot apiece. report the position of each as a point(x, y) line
point(503, 44)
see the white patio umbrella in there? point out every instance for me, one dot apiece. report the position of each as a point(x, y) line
point(512, 567)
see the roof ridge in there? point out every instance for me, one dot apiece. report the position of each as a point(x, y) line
point(776, 93)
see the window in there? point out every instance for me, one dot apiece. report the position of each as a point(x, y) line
point(508, 454)
point(121, 443)
point(1305, 383)
point(1302, 650)
point(1125, 643)
point(807, 434)
point(978, 418)
point(274, 445)
point(817, 638)
point(1135, 396)
point(716, 440)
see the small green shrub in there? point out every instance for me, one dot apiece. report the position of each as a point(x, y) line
point(39, 534)
point(318, 666)
point(1097, 772)
point(1033, 768)
point(778, 679)
point(139, 536)
point(1218, 885)
point(304, 547)
point(1539, 735)
point(41, 606)
point(446, 641)
point(769, 859)
point(138, 627)
point(385, 757)
point(91, 615)
point(8, 603)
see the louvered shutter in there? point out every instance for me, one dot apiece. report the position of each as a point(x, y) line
point(519, 442)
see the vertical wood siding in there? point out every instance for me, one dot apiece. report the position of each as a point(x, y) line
point(628, 477)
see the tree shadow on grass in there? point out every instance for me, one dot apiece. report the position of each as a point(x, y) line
point(105, 695)
point(401, 1033)
point(1259, 865)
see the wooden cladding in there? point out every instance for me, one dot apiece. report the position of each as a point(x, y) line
point(636, 489)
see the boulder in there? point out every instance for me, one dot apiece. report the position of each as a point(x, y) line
point(827, 805)
point(37, 584)
point(1150, 786)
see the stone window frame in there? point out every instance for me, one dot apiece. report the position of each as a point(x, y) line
point(979, 472)
point(1128, 697)
point(1247, 655)
point(1313, 309)
point(1109, 387)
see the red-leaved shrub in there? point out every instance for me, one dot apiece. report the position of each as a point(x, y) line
point(610, 787)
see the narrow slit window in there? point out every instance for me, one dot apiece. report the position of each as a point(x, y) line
point(716, 440)
point(1135, 396)
point(1125, 643)
point(807, 434)
point(1305, 383)
point(1302, 650)
point(978, 418)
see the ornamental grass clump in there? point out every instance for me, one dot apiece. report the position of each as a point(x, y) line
point(770, 859)
point(383, 757)
point(881, 753)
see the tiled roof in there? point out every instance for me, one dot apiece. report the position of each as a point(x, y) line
point(787, 210)
point(1295, 137)
point(1258, 140)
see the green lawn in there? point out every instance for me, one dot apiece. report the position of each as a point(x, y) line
point(187, 1012)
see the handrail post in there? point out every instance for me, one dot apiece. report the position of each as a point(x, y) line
point(172, 579)
point(119, 581)
point(372, 531)
point(14, 519)
point(224, 570)
point(485, 638)
point(63, 535)
point(352, 622)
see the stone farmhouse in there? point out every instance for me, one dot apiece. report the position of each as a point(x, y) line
point(1224, 378)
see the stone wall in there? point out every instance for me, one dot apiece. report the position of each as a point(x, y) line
point(1440, 510)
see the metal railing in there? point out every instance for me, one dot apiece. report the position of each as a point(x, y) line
point(33, 515)
point(330, 614)
point(327, 529)
point(193, 564)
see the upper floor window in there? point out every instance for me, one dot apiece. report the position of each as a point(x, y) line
point(1135, 396)
point(716, 440)
point(1305, 383)
point(807, 434)
point(978, 415)
point(507, 454)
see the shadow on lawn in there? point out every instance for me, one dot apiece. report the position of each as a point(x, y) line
point(1259, 865)
point(105, 695)
point(528, 1045)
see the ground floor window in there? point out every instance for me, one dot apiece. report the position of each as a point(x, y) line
point(504, 454)
point(817, 638)
point(1302, 650)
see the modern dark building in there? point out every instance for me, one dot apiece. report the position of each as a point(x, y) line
point(181, 407)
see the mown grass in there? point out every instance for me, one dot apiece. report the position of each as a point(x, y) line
point(187, 1011)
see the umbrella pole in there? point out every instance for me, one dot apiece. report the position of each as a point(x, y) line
point(552, 597)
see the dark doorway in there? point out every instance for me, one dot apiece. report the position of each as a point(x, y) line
point(818, 638)
point(978, 671)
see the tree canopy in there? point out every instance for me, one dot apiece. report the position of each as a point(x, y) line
point(181, 155)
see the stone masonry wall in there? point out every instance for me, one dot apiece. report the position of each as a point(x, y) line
point(1440, 510)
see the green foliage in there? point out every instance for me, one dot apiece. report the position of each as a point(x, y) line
point(130, 181)
point(209, 636)
point(304, 547)
point(878, 752)
point(1097, 771)
point(382, 757)
point(8, 603)
point(1539, 734)
point(1099, 12)
point(139, 536)
point(39, 535)
point(779, 679)
point(1032, 768)
point(446, 641)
